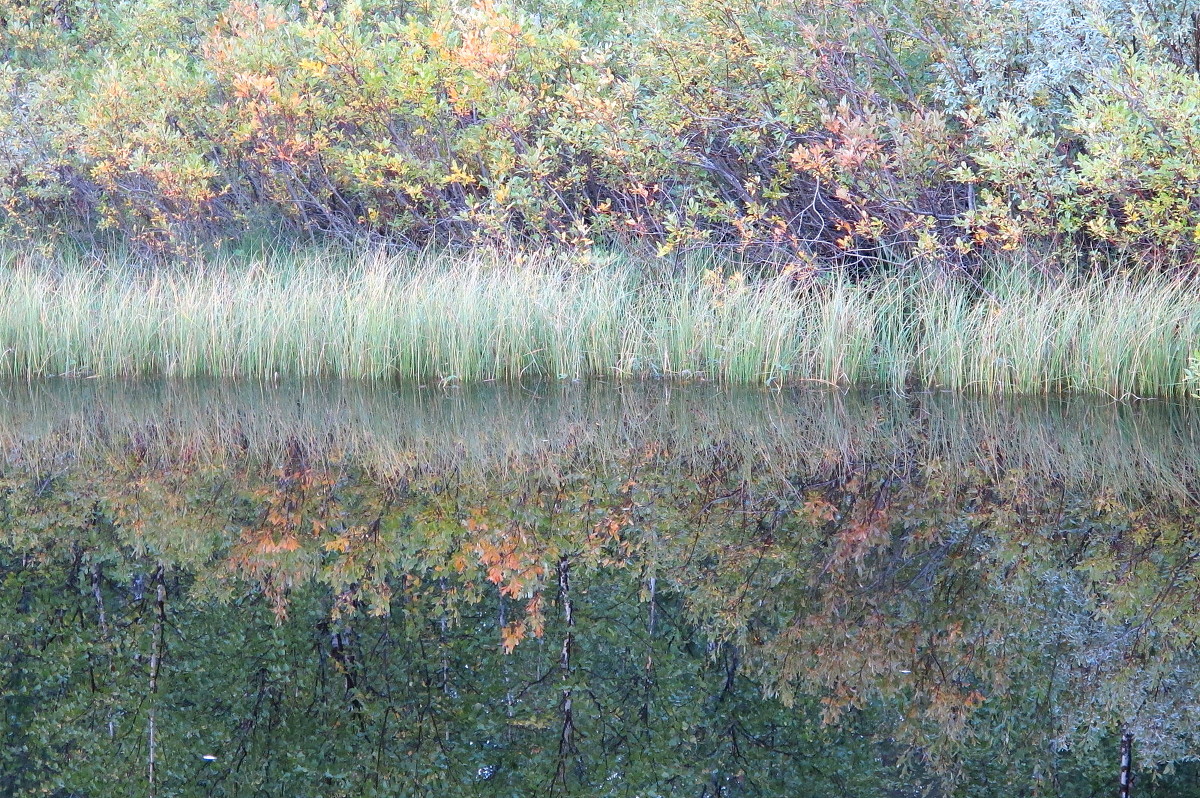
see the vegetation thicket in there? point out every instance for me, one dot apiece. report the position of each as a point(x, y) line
point(880, 130)
point(863, 141)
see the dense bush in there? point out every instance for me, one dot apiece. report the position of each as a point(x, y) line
point(891, 129)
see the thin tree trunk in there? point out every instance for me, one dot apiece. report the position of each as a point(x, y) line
point(98, 596)
point(566, 741)
point(156, 658)
point(653, 589)
point(503, 620)
point(1126, 783)
point(649, 671)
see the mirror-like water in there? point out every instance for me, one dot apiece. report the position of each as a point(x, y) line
point(311, 591)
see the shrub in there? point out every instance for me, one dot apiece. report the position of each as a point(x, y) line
point(896, 132)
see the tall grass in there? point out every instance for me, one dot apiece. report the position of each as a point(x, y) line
point(491, 316)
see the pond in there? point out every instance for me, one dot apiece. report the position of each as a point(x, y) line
point(313, 590)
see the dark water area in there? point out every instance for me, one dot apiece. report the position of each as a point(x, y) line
point(314, 590)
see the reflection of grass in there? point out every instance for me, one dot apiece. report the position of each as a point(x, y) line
point(486, 316)
point(556, 431)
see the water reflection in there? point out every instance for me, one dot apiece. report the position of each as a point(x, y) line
point(320, 591)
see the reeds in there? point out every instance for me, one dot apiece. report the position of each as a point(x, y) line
point(494, 316)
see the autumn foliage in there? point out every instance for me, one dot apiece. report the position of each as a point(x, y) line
point(877, 131)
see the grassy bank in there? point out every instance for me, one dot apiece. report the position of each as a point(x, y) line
point(489, 316)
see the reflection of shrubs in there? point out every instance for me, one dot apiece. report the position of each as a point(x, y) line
point(877, 132)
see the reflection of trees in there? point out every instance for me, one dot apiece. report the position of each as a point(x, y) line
point(1049, 621)
point(595, 620)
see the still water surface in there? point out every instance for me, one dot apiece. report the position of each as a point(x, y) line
point(319, 591)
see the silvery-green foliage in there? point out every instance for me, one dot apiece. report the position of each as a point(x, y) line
point(1173, 28)
point(32, 123)
point(1040, 56)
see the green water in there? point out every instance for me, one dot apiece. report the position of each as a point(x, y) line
point(319, 591)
